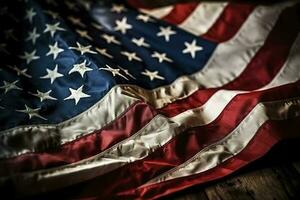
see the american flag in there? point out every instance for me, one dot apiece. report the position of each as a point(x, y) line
point(111, 100)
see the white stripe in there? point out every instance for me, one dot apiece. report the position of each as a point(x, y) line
point(231, 58)
point(203, 17)
point(215, 105)
point(158, 12)
point(228, 61)
point(137, 146)
point(96, 117)
point(235, 53)
point(235, 142)
point(150, 138)
point(290, 72)
point(191, 118)
point(146, 141)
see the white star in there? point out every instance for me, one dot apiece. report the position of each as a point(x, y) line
point(85, 4)
point(127, 72)
point(71, 5)
point(3, 48)
point(33, 36)
point(144, 18)
point(131, 56)
point(52, 28)
point(13, 17)
point(54, 50)
point(166, 32)
point(52, 74)
point(30, 14)
point(19, 71)
point(83, 49)
point(97, 26)
point(152, 75)
point(192, 48)
point(3, 11)
point(118, 8)
point(84, 34)
point(104, 52)
point(31, 112)
point(52, 2)
point(29, 56)
point(76, 21)
point(140, 42)
point(110, 39)
point(81, 68)
point(54, 15)
point(10, 34)
point(44, 95)
point(122, 25)
point(161, 57)
point(10, 86)
point(77, 94)
point(115, 72)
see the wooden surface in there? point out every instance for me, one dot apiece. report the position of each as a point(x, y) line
point(276, 176)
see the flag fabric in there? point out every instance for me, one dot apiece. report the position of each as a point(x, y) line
point(112, 100)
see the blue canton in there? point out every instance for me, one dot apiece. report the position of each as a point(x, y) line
point(59, 59)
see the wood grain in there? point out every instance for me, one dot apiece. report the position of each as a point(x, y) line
point(276, 176)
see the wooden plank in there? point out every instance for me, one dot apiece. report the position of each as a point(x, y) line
point(276, 176)
point(280, 182)
point(270, 183)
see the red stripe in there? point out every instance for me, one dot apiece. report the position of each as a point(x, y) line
point(272, 56)
point(187, 144)
point(183, 146)
point(277, 42)
point(268, 135)
point(260, 71)
point(180, 12)
point(127, 124)
point(165, 158)
point(163, 152)
point(227, 25)
point(229, 22)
